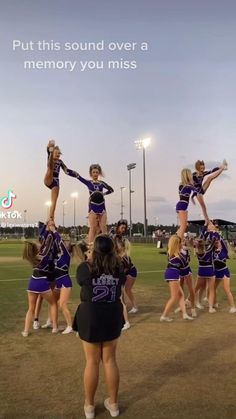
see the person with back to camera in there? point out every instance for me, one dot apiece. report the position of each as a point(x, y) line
point(97, 215)
point(99, 320)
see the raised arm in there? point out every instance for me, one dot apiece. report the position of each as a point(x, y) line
point(67, 171)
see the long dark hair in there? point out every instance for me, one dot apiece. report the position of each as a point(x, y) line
point(104, 257)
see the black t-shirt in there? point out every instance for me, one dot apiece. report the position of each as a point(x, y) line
point(104, 288)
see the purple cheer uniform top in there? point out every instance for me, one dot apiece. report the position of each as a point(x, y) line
point(184, 195)
point(62, 264)
point(96, 194)
point(198, 180)
point(185, 270)
point(219, 260)
point(172, 272)
point(57, 166)
point(205, 260)
point(39, 281)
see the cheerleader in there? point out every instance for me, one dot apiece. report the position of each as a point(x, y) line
point(123, 249)
point(51, 179)
point(222, 273)
point(198, 178)
point(39, 283)
point(99, 320)
point(97, 211)
point(206, 273)
point(187, 277)
point(172, 277)
point(63, 283)
point(185, 189)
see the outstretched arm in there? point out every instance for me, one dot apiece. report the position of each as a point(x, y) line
point(67, 171)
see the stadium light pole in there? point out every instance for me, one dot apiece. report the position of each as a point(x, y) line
point(48, 205)
point(63, 213)
point(74, 195)
point(142, 144)
point(122, 188)
point(130, 167)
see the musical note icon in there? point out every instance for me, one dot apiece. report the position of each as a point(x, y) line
point(7, 201)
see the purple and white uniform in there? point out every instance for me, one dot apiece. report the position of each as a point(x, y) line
point(62, 265)
point(205, 260)
point(185, 270)
point(172, 272)
point(184, 195)
point(129, 267)
point(219, 260)
point(57, 166)
point(39, 282)
point(96, 194)
point(198, 180)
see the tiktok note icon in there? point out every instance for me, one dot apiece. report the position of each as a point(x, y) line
point(7, 201)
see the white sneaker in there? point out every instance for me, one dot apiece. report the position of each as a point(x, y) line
point(177, 310)
point(188, 303)
point(67, 330)
point(166, 319)
point(200, 306)
point(232, 310)
point(112, 407)
point(126, 326)
point(216, 305)
point(55, 330)
point(36, 325)
point(212, 310)
point(187, 317)
point(133, 310)
point(25, 334)
point(47, 325)
point(194, 312)
point(89, 411)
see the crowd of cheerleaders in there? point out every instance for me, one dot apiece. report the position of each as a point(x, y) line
point(51, 256)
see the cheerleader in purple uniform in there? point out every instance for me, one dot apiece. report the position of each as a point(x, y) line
point(123, 247)
point(222, 273)
point(187, 277)
point(206, 272)
point(185, 189)
point(198, 178)
point(63, 283)
point(97, 210)
point(172, 277)
point(51, 179)
point(39, 282)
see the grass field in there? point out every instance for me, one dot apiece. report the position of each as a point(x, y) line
point(172, 371)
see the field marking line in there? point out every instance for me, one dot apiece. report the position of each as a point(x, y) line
point(73, 276)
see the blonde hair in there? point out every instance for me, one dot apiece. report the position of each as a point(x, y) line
point(174, 245)
point(79, 251)
point(30, 253)
point(123, 247)
point(186, 177)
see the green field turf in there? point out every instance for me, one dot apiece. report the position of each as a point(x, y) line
point(182, 370)
point(14, 275)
